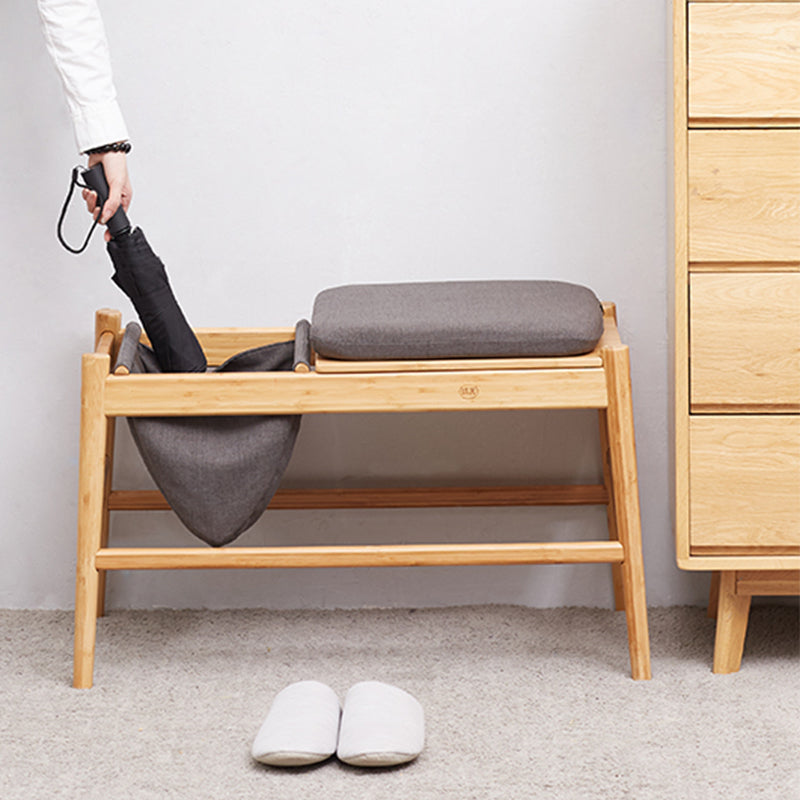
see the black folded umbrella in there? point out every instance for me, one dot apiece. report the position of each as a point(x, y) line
point(218, 473)
point(140, 273)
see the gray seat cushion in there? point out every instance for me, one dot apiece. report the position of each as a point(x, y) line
point(456, 319)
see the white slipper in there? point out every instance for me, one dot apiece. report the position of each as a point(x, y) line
point(381, 726)
point(301, 728)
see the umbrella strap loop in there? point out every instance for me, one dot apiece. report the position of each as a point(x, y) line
point(73, 183)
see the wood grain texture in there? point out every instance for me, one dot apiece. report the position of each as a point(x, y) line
point(745, 481)
point(744, 62)
point(332, 365)
point(394, 497)
point(611, 511)
point(749, 558)
point(680, 325)
point(744, 195)
point(736, 211)
point(313, 393)
point(762, 555)
point(91, 496)
point(107, 321)
point(735, 588)
point(745, 341)
point(745, 266)
point(417, 555)
point(733, 611)
point(773, 584)
point(625, 492)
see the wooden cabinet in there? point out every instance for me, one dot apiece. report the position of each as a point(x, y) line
point(744, 342)
point(744, 62)
point(737, 303)
point(744, 196)
point(745, 490)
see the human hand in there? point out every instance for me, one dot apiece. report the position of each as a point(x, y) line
point(120, 193)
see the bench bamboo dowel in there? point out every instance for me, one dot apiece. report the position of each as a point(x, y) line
point(107, 320)
point(412, 497)
point(407, 555)
point(105, 343)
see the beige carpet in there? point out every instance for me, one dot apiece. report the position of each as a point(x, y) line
point(520, 703)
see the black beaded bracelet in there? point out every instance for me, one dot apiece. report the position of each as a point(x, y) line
point(116, 147)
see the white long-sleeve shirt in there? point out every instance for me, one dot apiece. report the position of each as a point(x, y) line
point(76, 40)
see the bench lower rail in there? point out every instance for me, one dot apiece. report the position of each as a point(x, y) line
point(405, 555)
point(407, 497)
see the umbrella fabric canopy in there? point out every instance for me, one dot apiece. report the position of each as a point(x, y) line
point(140, 273)
point(218, 473)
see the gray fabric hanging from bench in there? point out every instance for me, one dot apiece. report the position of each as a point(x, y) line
point(218, 473)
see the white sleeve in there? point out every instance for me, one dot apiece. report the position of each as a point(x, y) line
point(76, 39)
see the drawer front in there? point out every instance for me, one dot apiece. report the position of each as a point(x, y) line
point(744, 61)
point(744, 196)
point(745, 484)
point(744, 340)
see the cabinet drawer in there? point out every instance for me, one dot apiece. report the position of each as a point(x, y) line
point(745, 340)
point(744, 489)
point(744, 61)
point(744, 196)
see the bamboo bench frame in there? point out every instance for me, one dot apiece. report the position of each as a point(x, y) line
point(599, 380)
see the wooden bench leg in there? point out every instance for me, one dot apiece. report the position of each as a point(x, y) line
point(91, 493)
point(625, 492)
point(107, 321)
point(107, 480)
point(611, 514)
point(733, 611)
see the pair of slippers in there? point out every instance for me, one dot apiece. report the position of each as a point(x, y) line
point(379, 726)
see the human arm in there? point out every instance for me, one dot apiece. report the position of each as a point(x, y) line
point(76, 40)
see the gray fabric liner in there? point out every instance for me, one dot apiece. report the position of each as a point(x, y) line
point(456, 319)
point(128, 346)
point(218, 473)
point(302, 343)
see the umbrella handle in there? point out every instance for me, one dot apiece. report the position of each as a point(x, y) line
point(95, 179)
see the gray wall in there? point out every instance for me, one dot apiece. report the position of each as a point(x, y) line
point(282, 147)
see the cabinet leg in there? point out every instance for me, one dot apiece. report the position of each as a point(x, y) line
point(733, 611)
point(713, 597)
